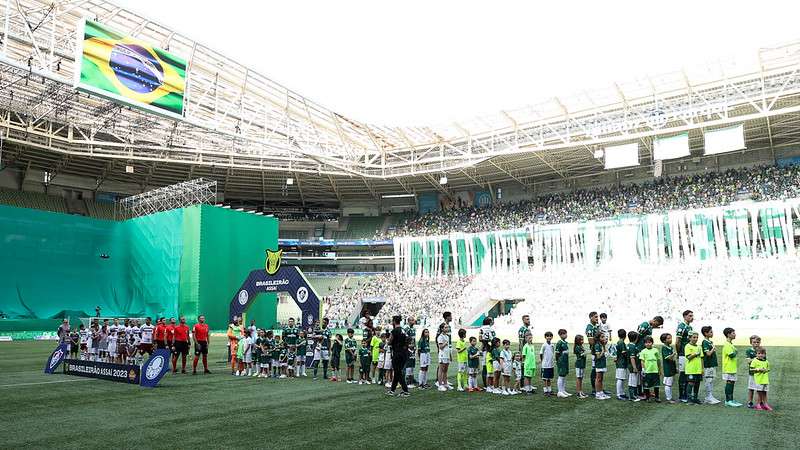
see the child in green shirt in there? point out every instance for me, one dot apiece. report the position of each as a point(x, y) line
point(694, 367)
point(729, 366)
point(651, 362)
point(461, 357)
point(365, 360)
point(528, 363)
point(759, 368)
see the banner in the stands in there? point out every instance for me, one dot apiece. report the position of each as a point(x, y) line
point(744, 229)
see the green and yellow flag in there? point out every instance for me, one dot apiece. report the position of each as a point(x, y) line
point(130, 70)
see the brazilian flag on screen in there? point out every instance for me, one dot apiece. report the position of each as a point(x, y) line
point(131, 71)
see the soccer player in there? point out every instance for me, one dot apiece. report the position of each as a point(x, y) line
point(94, 342)
point(592, 332)
point(424, 352)
point(180, 345)
point(146, 340)
point(694, 367)
point(291, 335)
point(562, 363)
point(523, 330)
point(111, 346)
point(263, 355)
point(729, 366)
point(461, 358)
point(201, 340)
point(599, 351)
point(681, 339)
point(336, 354)
point(84, 342)
point(302, 354)
point(473, 363)
point(325, 345)
point(74, 339)
point(634, 368)
point(651, 368)
point(710, 364)
point(621, 360)
point(760, 368)
point(235, 332)
point(350, 350)
point(668, 365)
point(646, 328)
point(580, 364)
point(750, 354)
point(411, 336)
point(547, 359)
point(312, 354)
point(103, 347)
point(486, 335)
point(443, 344)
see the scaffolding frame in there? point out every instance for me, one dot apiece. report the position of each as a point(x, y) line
point(180, 195)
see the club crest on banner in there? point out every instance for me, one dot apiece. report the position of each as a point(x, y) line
point(154, 369)
point(273, 262)
point(243, 297)
point(302, 294)
point(57, 356)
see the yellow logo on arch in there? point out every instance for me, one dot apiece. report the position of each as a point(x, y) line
point(273, 262)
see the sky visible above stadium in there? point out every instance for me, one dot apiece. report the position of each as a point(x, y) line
point(434, 62)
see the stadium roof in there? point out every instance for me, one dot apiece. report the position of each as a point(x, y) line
point(250, 133)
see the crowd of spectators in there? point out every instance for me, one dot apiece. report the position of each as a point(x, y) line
point(422, 298)
point(669, 193)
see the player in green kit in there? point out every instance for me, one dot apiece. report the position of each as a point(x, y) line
point(651, 359)
point(668, 365)
point(730, 365)
point(710, 364)
point(694, 367)
point(562, 364)
point(681, 339)
point(350, 350)
point(592, 332)
point(473, 363)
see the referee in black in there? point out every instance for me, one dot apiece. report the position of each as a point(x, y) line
point(398, 341)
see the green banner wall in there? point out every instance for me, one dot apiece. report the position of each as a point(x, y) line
point(187, 262)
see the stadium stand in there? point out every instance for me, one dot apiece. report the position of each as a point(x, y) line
point(33, 200)
point(53, 203)
point(697, 191)
point(359, 227)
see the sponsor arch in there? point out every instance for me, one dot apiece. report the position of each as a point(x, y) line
point(277, 278)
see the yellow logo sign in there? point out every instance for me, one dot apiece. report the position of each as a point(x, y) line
point(273, 261)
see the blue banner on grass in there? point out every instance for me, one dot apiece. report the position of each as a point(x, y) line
point(155, 368)
point(56, 358)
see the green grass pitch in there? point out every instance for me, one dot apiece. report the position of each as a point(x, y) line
point(220, 411)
